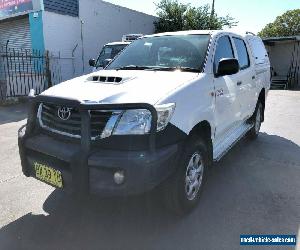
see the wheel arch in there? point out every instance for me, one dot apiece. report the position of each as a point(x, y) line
point(204, 130)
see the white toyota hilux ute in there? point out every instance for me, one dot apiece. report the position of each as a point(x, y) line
point(158, 115)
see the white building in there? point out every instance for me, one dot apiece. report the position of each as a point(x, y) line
point(77, 29)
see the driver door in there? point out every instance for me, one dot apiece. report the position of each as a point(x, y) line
point(227, 106)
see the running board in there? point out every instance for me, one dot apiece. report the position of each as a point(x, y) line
point(229, 140)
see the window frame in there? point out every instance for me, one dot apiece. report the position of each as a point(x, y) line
point(237, 54)
point(216, 47)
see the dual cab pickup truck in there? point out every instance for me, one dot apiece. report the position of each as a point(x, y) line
point(159, 114)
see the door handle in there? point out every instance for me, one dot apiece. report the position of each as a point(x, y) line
point(239, 83)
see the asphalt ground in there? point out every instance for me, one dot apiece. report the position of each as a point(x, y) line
point(254, 189)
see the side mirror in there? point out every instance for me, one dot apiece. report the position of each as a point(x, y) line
point(92, 62)
point(228, 66)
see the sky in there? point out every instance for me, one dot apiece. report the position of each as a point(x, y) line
point(252, 15)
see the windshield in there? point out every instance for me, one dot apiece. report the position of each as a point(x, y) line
point(109, 52)
point(186, 52)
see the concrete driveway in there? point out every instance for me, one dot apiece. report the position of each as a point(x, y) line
point(255, 189)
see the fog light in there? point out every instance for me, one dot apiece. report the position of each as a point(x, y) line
point(119, 177)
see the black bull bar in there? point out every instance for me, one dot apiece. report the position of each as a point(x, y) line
point(79, 162)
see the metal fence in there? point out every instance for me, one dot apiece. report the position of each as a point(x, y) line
point(22, 70)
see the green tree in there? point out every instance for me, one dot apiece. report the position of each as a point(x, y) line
point(287, 24)
point(175, 16)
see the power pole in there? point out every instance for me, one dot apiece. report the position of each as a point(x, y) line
point(82, 48)
point(212, 14)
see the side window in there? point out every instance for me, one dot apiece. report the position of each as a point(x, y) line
point(242, 53)
point(259, 50)
point(223, 50)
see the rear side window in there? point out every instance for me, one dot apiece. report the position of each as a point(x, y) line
point(242, 53)
point(223, 50)
point(259, 50)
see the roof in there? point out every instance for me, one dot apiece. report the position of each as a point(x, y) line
point(117, 43)
point(281, 39)
point(186, 32)
point(198, 32)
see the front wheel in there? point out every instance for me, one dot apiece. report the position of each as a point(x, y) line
point(183, 189)
point(256, 120)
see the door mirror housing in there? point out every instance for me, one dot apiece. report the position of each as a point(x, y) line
point(228, 66)
point(92, 62)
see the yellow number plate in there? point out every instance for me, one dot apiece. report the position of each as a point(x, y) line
point(49, 175)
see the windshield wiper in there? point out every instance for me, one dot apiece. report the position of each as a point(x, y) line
point(133, 67)
point(183, 69)
point(158, 68)
point(188, 69)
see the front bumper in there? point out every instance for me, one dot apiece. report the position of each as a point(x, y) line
point(87, 169)
point(143, 169)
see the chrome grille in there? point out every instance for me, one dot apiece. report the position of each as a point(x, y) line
point(49, 119)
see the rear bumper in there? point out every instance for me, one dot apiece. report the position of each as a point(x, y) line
point(143, 170)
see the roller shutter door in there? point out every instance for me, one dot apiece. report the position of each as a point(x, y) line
point(17, 31)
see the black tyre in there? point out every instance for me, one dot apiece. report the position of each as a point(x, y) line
point(183, 190)
point(256, 119)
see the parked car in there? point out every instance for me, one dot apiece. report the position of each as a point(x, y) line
point(108, 52)
point(160, 114)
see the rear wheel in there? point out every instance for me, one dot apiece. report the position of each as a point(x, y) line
point(183, 190)
point(256, 120)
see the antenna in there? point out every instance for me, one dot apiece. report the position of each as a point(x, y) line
point(250, 33)
point(212, 14)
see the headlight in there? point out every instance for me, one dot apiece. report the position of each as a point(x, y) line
point(134, 122)
point(22, 131)
point(164, 115)
point(138, 121)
